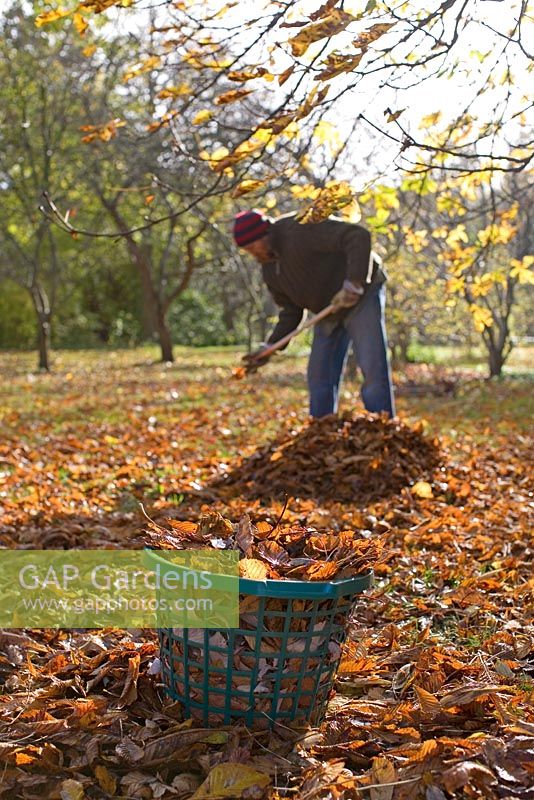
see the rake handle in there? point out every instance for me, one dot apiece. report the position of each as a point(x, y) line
point(272, 348)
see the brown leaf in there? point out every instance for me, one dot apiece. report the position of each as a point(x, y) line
point(129, 751)
point(71, 790)
point(244, 536)
point(468, 773)
point(382, 772)
point(253, 569)
point(232, 781)
point(106, 781)
point(375, 32)
point(232, 96)
point(273, 553)
point(466, 695)
point(335, 21)
point(430, 705)
point(129, 692)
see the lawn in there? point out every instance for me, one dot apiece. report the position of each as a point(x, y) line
point(434, 694)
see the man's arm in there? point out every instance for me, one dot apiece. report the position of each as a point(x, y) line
point(336, 236)
point(289, 317)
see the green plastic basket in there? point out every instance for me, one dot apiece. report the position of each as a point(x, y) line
point(277, 667)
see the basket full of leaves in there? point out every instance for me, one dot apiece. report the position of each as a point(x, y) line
point(297, 588)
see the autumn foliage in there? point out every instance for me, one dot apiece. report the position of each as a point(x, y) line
point(433, 696)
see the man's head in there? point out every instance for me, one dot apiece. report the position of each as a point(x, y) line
point(251, 232)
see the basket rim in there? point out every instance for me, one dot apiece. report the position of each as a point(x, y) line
point(280, 588)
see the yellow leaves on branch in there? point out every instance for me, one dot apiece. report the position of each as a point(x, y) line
point(247, 186)
point(416, 240)
point(522, 270)
point(87, 6)
point(200, 59)
point(280, 122)
point(336, 63)
point(221, 160)
point(283, 120)
point(456, 285)
point(162, 121)
point(371, 35)
point(80, 23)
point(285, 75)
point(430, 120)
point(305, 191)
point(482, 317)
point(243, 76)
point(172, 92)
point(51, 16)
point(265, 133)
point(392, 116)
point(98, 6)
point(103, 132)
point(460, 258)
point(218, 155)
point(481, 285)
point(232, 96)
point(326, 133)
point(383, 196)
point(497, 233)
point(333, 23)
point(332, 197)
point(447, 203)
point(146, 65)
point(202, 116)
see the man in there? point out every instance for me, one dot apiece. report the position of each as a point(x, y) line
point(309, 266)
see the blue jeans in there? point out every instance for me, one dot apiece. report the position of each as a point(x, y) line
point(365, 328)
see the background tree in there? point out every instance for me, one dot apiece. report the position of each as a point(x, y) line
point(287, 67)
point(37, 150)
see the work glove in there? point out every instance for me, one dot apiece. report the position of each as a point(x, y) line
point(253, 361)
point(348, 296)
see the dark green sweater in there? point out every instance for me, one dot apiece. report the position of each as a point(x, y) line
point(312, 261)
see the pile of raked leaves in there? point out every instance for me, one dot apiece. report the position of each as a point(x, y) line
point(355, 459)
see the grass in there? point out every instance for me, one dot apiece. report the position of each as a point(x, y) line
point(521, 360)
point(100, 386)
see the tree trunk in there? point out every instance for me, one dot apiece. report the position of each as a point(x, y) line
point(495, 361)
point(165, 340)
point(498, 344)
point(43, 342)
point(399, 352)
point(43, 316)
point(151, 296)
point(148, 312)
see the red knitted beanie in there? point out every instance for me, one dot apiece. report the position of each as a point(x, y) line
point(249, 226)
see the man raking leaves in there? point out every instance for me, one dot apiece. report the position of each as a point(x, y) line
point(312, 266)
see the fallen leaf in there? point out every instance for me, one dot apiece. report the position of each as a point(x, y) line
point(231, 780)
point(71, 790)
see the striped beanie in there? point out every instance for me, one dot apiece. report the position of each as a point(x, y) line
point(249, 226)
